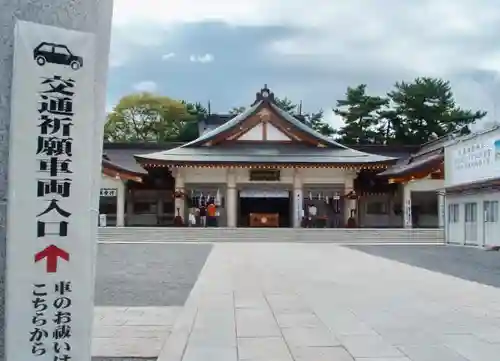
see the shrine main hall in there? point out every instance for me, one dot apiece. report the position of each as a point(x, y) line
point(263, 168)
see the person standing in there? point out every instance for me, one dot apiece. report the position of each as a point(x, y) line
point(203, 215)
point(211, 214)
point(313, 212)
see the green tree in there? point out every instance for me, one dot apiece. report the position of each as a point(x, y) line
point(190, 131)
point(360, 113)
point(423, 110)
point(236, 110)
point(317, 122)
point(314, 120)
point(287, 105)
point(146, 117)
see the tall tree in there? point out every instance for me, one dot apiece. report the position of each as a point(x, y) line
point(360, 113)
point(317, 122)
point(314, 120)
point(236, 110)
point(190, 130)
point(425, 109)
point(287, 105)
point(146, 117)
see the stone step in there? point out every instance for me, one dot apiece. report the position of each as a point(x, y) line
point(265, 235)
point(271, 234)
point(273, 230)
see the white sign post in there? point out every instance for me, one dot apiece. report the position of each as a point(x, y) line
point(51, 233)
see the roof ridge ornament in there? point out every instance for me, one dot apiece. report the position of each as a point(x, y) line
point(265, 95)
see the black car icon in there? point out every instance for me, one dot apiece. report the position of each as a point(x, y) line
point(56, 54)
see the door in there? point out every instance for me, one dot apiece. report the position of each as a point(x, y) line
point(490, 224)
point(270, 204)
point(454, 233)
point(471, 223)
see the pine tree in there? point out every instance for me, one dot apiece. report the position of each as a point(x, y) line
point(425, 110)
point(360, 113)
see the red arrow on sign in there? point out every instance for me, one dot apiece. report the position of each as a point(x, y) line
point(52, 253)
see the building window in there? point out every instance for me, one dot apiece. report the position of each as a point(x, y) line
point(376, 208)
point(470, 212)
point(453, 213)
point(491, 211)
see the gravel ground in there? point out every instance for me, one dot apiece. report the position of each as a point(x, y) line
point(468, 263)
point(147, 274)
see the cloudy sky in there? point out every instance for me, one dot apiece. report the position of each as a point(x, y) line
point(225, 51)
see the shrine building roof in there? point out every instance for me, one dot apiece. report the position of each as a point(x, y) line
point(262, 134)
point(427, 159)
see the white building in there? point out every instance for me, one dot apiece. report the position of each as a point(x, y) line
point(472, 174)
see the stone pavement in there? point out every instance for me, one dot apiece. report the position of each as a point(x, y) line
point(322, 302)
point(131, 331)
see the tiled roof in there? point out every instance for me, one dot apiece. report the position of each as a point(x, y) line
point(124, 160)
point(428, 162)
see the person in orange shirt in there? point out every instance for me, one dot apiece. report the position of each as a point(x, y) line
point(211, 215)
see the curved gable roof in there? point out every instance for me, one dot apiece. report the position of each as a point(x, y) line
point(265, 97)
point(236, 120)
point(331, 152)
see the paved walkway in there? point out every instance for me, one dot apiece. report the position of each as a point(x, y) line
point(306, 302)
point(131, 331)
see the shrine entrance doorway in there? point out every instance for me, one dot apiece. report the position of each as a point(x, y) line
point(259, 208)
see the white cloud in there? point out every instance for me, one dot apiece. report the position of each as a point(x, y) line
point(167, 56)
point(146, 86)
point(413, 37)
point(398, 34)
point(206, 58)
